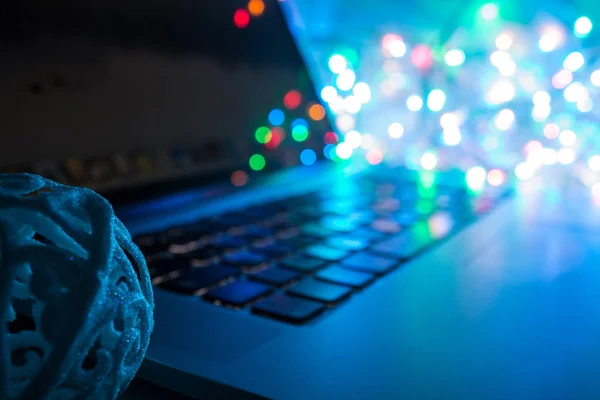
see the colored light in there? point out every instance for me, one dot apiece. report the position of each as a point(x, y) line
point(541, 112)
point(374, 157)
point(504, 41)
point(421, 57)
point(367, 141)
point(551, 131)
point(489, 11)
point(292, 99)
point(475, 178)
point(362, 91)
point(562, 78)
point(549, 156)
point(316, 112)
point(574, 61)
point(595, 78)
point(300, 133)
point(504, 119)
point(329, 94)
point(541, 97)
point(594, 163)
point(394, 45)
point(449, 120)
point(263, 134)
point(565, 156)
point(308, 157)
point(337, 63)
point(241, 18)
point(414, 103)
point(498, 58)
point(345, 80)
point(451, 136)
point(353, 139)
point(428, 161)
point(343, 151)
point(501, 91)
point(552, 37)
point(299, 122)
point(596, 189)
point(583, 26)
point(524, 171)
point(585, 105)
point(257, 162)
point(256, 7)
point(495, 177)
point(330, 138)
point(567, 138)
point(395, 130)
point(352, 104)
point(277, 136)
point(329, 151)
point(436, 100)
point(276, 117)
point(575, 92)
point(239, 178)
point(345, 122)
point(455, 57)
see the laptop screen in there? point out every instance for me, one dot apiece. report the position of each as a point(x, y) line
point(118, 93)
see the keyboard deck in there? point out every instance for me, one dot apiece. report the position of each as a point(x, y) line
point(295, 258)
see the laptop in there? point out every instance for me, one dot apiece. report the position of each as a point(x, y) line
point(279, 270)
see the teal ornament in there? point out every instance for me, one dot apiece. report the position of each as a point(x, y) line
point(76, 301)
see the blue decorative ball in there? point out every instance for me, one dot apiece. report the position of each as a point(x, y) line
point(76, 301)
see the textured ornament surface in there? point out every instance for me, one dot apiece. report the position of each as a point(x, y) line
point(76, 300)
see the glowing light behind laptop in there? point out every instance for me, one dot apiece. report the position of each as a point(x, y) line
point(498, 100)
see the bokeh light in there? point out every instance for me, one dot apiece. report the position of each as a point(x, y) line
point(241, 18)
point(256, 7)
point(257, 162)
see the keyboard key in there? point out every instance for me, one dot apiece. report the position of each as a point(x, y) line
point(228, 242)
point(257, 232)
point(195, 279)
point(302, 263)
point(166, 266)
point(370, 263)
point(368, 234)
point(386, 225)
point(299, 242)
point(274, 249)
point(320, 291)
point(349, 243)
point(339, 224)
point(238, 293)
point(403, 246)
point(315, 230)
point(325, 253)
point(276, 276)
point(288, 308)
point(203, 253)
point(346, 277)
point(245, 258)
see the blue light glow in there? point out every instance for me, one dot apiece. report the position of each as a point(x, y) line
point(308, 157)
point(276, 117)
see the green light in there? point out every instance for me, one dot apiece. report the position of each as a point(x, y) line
point(257, 162)
point(489, 11)
point(263, 134)
point(350, 55)
point(583, 26)
point(300, 133)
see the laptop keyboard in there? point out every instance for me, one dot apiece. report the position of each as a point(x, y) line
point(296, 258)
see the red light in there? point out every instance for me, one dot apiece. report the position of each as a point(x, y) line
point(331, 138)
point(277, 136)
point(421, 57)
point(292, 99)
point(241, 18)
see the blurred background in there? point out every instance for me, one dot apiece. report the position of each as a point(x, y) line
point(504, 91)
